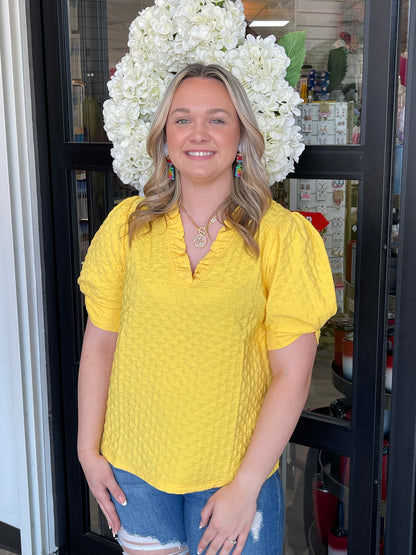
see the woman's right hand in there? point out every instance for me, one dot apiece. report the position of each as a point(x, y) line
point(101, 482)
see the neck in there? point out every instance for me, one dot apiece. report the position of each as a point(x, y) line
point(203, 201)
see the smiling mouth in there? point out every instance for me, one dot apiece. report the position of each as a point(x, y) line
point(200, 153)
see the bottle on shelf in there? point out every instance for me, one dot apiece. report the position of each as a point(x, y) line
point(338, 536)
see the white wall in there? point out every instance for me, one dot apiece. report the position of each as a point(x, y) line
point(25, 475)
point(321, 21)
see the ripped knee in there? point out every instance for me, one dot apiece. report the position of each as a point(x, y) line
point(133, 544)
point(257, 526)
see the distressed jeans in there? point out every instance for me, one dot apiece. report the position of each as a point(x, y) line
point(164, 520)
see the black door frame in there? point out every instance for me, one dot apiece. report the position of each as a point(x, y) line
point(370, 163)
point(401, 511)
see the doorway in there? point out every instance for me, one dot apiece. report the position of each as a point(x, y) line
point(341, 440)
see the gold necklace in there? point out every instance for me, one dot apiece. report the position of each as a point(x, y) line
point(200, 239)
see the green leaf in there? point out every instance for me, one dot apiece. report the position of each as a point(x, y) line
point(294, 44)
point(337, 67)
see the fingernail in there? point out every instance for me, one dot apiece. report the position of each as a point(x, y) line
point(198, 552)
point(124, 503)
point(122, 500)
point(200, 525)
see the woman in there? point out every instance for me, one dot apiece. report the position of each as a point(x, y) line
point(205, 301)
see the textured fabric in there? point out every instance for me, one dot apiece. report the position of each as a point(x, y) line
point(191, 367)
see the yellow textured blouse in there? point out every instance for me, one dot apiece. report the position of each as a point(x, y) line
point(191, 367)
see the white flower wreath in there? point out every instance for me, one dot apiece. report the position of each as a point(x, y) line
point(168, 36)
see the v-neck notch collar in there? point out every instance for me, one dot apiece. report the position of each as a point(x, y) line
point(179, 256)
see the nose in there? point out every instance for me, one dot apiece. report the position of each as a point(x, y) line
point(200, 132)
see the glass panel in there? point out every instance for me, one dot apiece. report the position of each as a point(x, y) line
point(396, 184)
point(331, 205)
point(329, 123)
point(96, 193)
point(331, 80)
point(98, 522)
point(395, 215)
point(331, 77)
point(316, 492)
point(398, 158)
point(98, 34)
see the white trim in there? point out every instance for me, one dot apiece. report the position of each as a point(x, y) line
point(21, 274)
point(269, 23)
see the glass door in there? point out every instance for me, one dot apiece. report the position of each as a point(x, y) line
point(341, 183)
point(400, 532)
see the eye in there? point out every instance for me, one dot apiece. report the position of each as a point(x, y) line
point(218, 121)
point(181, 121)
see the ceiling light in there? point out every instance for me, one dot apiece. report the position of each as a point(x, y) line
point(268, 23)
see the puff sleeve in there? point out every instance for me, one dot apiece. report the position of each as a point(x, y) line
point(102, 274)
point(298, 280)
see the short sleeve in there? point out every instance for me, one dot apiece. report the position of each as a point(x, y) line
point(102, 273)
point(298, 280)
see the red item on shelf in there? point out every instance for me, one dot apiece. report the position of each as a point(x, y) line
point(347, 356)
point(343, 323)
point(324, 507)
point(337, 545)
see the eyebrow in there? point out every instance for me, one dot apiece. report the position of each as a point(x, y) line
point(210, 111)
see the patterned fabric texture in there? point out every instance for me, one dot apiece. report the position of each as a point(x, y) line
point(191, 366)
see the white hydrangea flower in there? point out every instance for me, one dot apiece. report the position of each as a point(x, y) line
point(169, 35)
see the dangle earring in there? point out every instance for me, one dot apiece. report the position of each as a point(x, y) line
point(238, 165)
point(171, 168)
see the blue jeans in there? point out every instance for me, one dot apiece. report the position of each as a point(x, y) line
point(173, 520)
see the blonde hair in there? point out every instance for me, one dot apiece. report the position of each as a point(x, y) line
point(250, 196)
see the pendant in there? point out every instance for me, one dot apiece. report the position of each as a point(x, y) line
point(200, 240)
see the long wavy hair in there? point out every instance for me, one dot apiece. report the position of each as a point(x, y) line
point(250, 196)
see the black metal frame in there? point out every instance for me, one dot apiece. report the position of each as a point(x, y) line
point(369, 163)
point(401, 514)
point(363, 443)
point(346, 162)
point(372, 293)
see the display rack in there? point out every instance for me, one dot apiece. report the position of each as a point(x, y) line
point(345, 386)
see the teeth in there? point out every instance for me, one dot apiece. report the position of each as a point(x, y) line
point(199, 153)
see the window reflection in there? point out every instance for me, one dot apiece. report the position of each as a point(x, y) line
point(331, 205)
point(317, 494)
point(96, 194)
point(332, 72)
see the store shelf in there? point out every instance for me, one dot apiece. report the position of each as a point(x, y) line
point(349, 289)
point(328, 462)
point(345, 386)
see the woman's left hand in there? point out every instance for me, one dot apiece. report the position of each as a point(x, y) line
point(229, 514)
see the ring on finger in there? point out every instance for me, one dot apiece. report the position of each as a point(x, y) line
point(232, 541)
